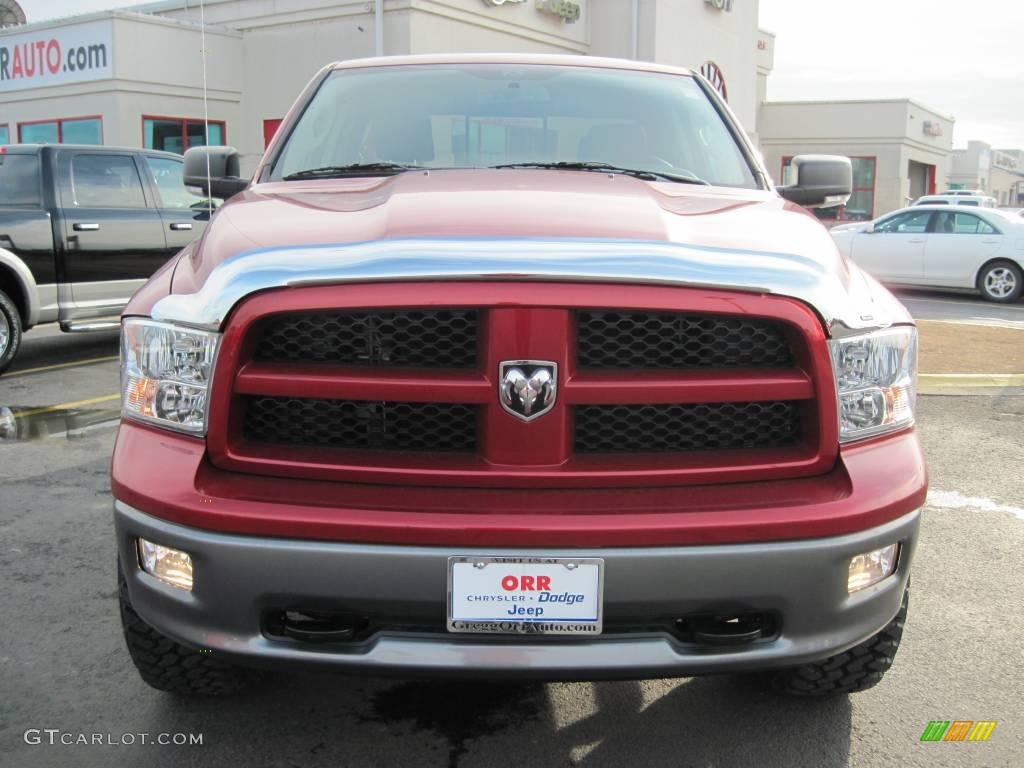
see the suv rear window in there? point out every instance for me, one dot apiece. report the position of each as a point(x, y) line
point(19, 180)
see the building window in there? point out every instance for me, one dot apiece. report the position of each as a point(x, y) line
point(860, 206)
point(5, 134)
point(176, 134)
point(269, 129)
point(72, 130)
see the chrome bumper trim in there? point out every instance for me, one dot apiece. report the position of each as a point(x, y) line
point(842, 308)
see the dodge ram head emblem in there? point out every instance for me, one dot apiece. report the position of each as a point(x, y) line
point(526, 388)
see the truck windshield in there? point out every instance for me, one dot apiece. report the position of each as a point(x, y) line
point(381, 120)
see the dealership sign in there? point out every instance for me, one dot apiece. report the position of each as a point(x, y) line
point(57, 56)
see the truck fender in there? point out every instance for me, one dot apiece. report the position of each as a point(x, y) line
point(28, 301)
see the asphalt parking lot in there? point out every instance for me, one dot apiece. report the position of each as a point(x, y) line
point(63, 665)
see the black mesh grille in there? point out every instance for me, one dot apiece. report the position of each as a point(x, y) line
point(421, 338)
point(622, 339)
point(360, 424)
point(682, 428)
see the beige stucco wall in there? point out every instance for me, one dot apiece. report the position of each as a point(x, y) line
point(997, 172)
point(169, 83)
point(689, 32)
point(1004, 185)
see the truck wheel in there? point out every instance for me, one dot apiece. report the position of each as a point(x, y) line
point(170, 666)
point(857, 669)
point(10, 331)
point(1000, 281)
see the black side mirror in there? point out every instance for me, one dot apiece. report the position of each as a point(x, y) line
point(822, 181)
point(223, 166)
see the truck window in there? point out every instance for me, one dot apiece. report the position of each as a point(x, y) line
point(167, 174)
point(482, 115)
point(19, 180)
point(106, 181)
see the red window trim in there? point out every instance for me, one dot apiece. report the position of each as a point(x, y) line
point(60, 125)
point(8, 127)
point(786, 159)
point(184, 131)
point(270, 128)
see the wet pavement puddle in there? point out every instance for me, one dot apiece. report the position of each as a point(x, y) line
point(35, 423)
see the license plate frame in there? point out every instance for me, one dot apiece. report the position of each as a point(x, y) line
point(574, 573)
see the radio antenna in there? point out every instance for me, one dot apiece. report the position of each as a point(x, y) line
point(206, 106)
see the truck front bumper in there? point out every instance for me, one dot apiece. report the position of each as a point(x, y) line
point(240, 580)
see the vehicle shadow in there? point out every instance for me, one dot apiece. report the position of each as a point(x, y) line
point(712, 721)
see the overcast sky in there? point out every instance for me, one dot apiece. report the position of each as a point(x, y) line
point(965, 59)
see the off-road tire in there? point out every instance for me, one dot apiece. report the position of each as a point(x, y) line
point(169, 666)
point(1013, 275)
point(11, 320)
point(857, 669)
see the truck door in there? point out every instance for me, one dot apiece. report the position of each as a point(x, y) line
point(113, 233)
point(184, 215)
point(26, 234)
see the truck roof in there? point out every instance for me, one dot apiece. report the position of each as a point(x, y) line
point(31, 149)
point(563, 60)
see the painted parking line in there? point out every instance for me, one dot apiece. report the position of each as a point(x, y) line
point(59, 366)
point(69, 406)
point(956, 500)
point(926, 300)
point(971, 379)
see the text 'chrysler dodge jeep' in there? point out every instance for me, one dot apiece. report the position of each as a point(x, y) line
point(511, 365)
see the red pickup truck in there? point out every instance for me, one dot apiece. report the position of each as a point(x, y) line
point(521, 366)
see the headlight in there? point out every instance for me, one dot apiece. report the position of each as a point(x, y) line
point(166, 372)
point(876, 378)
point(171, 566)
point(872, 567)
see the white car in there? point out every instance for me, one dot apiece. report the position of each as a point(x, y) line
point(957, 198)
point(942, 246)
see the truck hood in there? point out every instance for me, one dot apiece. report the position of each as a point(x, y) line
point(539, 224)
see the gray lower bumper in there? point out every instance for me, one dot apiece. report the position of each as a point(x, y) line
point(238, 579)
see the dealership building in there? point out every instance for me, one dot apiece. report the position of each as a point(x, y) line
point(134, 77)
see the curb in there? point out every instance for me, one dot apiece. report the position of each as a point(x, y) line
point(971, 379)
point(980, 322)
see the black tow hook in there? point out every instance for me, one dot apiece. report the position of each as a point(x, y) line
point(727, 630)
point(320, 627)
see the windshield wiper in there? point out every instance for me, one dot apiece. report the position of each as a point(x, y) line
point(353, 169)
point(647, 175)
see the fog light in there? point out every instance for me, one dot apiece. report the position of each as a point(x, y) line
point(171, 566)
point(871, 567)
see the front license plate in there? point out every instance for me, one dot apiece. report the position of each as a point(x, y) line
point(525, 595)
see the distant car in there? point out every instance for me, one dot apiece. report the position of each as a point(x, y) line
point(947, 246)
point(957, 198)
